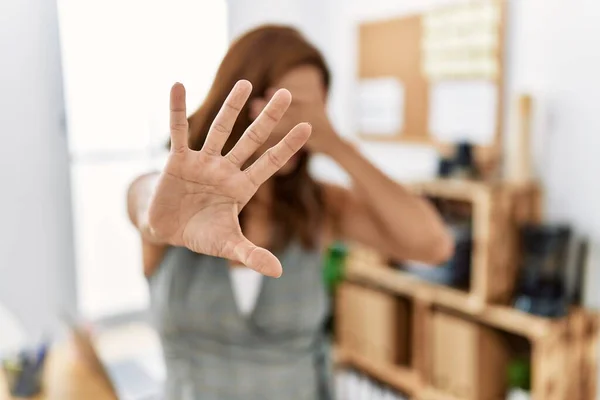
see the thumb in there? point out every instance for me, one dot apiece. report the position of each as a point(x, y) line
point(256, 258)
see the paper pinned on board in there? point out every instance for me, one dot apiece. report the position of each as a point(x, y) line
point(463, 110)
point(381, 106)
point(462, 42)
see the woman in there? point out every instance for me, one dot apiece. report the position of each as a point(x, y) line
point(235, 203)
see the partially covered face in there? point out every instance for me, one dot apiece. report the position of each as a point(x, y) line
point(303, 82)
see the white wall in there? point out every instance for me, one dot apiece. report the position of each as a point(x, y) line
point(36, 234)
point(557, 58)
point(306, 15)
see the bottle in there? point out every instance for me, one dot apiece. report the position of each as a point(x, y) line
point(464, 163)
point(333, 274)
point(333, 271)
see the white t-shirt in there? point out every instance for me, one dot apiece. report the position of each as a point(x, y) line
point(246, 284)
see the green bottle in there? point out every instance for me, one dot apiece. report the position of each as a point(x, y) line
point(333, 270)
point(333, 274)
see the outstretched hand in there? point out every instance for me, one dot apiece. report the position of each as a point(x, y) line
point(200, 193)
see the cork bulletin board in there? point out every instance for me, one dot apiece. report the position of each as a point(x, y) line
point(448, 64)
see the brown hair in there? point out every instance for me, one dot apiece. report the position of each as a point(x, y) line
point(263, 56)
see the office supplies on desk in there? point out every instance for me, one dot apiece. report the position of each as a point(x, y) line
point(41, 354)
point(24, 371)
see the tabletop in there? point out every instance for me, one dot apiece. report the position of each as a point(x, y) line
point(67, 376)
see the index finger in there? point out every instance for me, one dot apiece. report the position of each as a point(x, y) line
point(178, 119)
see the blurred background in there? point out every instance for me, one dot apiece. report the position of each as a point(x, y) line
point(83, 89)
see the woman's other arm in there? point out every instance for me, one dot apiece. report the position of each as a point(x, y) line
point(381, 213)
point(138, 200)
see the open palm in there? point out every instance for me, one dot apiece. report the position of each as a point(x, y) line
point(200, 193)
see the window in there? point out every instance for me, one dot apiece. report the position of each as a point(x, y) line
point(120, 58)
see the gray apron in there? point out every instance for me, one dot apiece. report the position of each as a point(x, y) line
point(213, 352)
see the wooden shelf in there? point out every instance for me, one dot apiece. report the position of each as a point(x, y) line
point(497, 316)
point(463, 189)
point(453, 189)
point(403, 283)
point(401, 378)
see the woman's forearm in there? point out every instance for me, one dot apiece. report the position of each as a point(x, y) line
point(138, 200)
point(411, 222)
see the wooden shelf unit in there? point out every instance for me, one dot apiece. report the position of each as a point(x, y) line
point(563, 351)
point(497, 211)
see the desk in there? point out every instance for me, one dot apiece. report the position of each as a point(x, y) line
point(67, 377)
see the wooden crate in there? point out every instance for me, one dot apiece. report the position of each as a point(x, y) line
point(564, 362)
point(497, 211)
point(468, 359)
point(372, 324)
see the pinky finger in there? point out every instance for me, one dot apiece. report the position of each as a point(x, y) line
point(277, 156)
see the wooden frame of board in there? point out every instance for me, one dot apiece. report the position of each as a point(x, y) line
point(392, 48)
